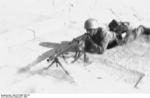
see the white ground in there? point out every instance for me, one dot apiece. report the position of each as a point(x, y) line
point(26, 23)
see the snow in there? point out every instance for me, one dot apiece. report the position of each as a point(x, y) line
point(24, 24)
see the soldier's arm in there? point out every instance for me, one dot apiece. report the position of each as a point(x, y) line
point(104, 43)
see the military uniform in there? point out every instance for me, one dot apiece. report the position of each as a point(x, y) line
point(134, 33)
point(102, 39)
point(130, 33)
point(119, 33)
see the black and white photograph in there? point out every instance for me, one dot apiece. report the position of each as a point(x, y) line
point(74, 46)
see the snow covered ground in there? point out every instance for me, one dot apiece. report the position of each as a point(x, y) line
point(24, 24)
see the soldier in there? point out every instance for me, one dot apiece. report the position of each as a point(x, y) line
point(100, 37)
point(125, 33)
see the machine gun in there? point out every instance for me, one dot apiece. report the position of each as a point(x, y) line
point(77, 44)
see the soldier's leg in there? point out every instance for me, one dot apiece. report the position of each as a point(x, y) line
point(139, 30)
point(145, 33)
point(132, 34)
point(146, 30)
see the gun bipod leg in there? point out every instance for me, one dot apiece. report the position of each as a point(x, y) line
point(77, 56)
point(58, 62)
point(85, 57)
point(50, 65)
point(64, 58)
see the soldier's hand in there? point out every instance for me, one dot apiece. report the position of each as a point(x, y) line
point(99, 49)
point(88, 36)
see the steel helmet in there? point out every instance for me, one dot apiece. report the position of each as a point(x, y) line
point(91, 24)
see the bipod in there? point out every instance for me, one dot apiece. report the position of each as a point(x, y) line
point(78, 54)
point(57, 62)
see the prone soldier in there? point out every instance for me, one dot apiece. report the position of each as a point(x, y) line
point(101, 37)
point(126, 33)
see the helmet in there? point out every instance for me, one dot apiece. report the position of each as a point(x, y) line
point(91, 24)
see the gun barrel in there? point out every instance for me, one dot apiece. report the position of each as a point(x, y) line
point(65, 48)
